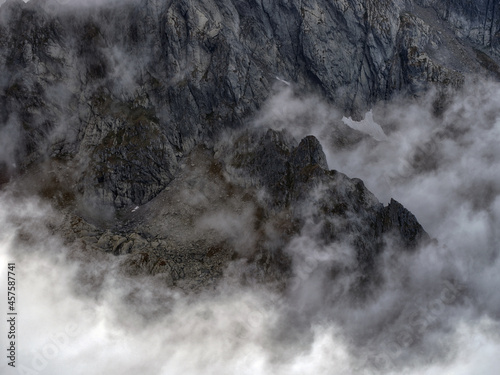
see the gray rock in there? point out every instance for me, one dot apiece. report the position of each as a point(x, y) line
point(396, 218)
point(297, 180)
point(309, 153)
point(477, 21)
point(135, 97)
point(129, 88)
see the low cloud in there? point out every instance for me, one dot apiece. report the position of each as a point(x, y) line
point(435, 311)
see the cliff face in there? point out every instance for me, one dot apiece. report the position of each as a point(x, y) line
point(113, 99)
point(85, 83)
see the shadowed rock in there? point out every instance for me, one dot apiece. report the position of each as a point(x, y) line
point(75, 78)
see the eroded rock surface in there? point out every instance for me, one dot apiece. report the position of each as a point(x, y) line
point(122, 83)
point(132, 118)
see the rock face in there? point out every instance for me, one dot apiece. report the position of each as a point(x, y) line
point(297, 180)
point(133, 162)
point(396, 217)
point(76, 78)
point(131, 99)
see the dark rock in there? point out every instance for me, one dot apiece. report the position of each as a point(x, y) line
point(308, 153)
point(297, 179)
point(128, 94)
point(395, 218)
point(200, 67)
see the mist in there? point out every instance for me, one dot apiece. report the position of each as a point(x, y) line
point(436, 311)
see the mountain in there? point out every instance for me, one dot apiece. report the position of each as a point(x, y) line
point(250, 186)
point(135, 119)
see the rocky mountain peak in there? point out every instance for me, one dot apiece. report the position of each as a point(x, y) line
point(122, 94)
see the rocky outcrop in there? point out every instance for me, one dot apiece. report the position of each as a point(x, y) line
point(395, 218)
point(132, 163)
point(298, 184)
